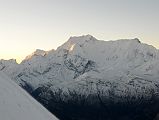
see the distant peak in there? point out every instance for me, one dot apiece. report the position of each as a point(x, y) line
point(136, 39)
point(82, 38)
point(89, 37)
point(37, 52)
point(77, 41)
point(13, 61)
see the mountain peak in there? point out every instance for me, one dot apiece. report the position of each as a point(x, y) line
point(137, 40)
point(37, 52)
point(82, 38)
point(77, 40)
point(9, 61)
point(129, 40)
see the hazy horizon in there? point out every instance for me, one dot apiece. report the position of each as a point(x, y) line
point(37, 24)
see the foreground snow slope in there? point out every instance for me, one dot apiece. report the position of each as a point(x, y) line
point(16, 104)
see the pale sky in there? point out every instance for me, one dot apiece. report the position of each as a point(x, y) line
point(26, 25)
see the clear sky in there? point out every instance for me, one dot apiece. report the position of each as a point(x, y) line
point(26, 25)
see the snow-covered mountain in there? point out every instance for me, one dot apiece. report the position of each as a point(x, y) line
point(88, 66)
point(124, 64)
point(16, 104)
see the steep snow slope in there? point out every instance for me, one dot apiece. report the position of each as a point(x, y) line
point(86, 64)
point(16, 104)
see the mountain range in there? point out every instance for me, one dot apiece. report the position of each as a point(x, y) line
point(92, 71)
